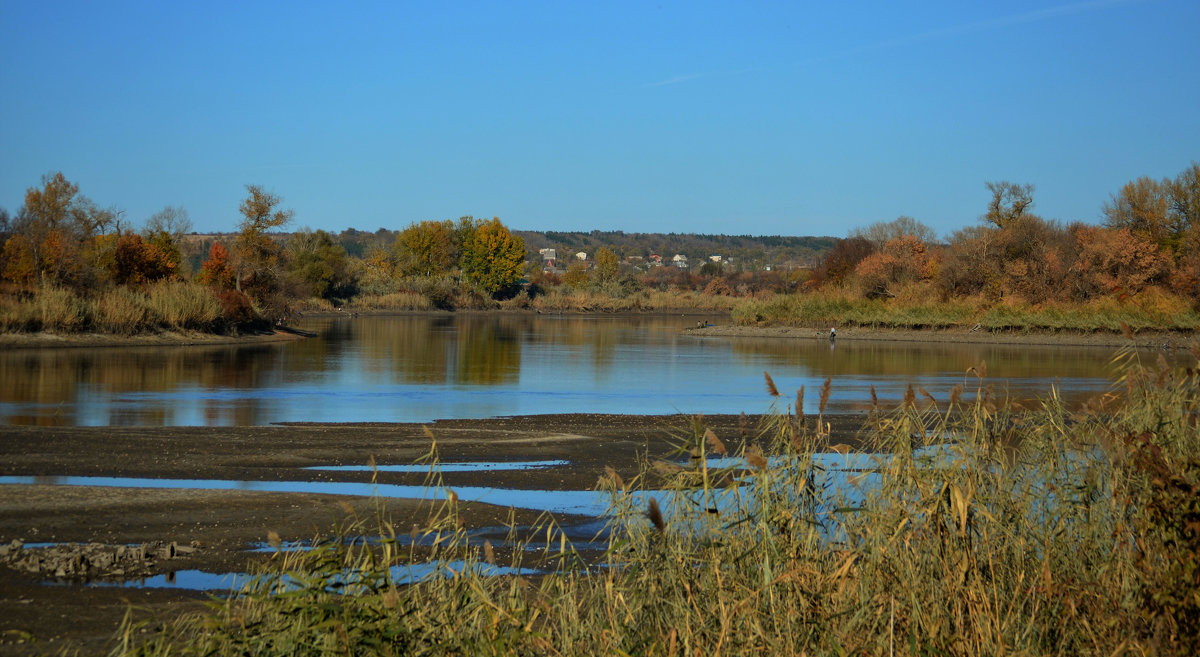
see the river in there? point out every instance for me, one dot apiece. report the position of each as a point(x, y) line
point(424, 367)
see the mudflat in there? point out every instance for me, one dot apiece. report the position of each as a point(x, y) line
point(215, 529)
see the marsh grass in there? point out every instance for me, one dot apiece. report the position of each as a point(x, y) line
point(566, 299)
point(1150, 311)
point(183, 305)
point(121, 310)
point(967, 527)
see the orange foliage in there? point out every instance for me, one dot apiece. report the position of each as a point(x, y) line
point(903, 259)
point(216, 271)
point(137, 262)
point(1116, 262)
point(19, 264)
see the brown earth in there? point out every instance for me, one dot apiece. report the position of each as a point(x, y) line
point(36, 617)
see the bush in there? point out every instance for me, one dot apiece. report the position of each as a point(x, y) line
point(235, 307)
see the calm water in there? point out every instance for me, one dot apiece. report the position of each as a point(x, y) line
point(384, 369)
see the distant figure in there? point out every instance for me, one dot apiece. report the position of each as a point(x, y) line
point(832, 334)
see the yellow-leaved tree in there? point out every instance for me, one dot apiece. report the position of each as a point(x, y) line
point(493, 257)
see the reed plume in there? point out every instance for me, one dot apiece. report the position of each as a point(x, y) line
point(614, 477)
point(754, 456)
point(714, 444)
point(826, 388)
point(771, 389)
point(655, 515)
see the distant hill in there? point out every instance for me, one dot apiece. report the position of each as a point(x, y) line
point(747, 251)
point(750, 251)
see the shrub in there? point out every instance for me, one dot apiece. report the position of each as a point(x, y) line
point(235, 307)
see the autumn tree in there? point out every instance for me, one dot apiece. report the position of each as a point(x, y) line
point(971, 265)
point(842, 259)
point(882, 232)
point(493, 257)
point(217, 270)
point(165, 229)
point(1165, 212)
point(1116, 261)
point(428, 248)
point(903, 259)
point(256, 259)
point(56, 226)
point(1009, 202)
point(137, 262)
point(607, 266)
point(377, 272)
point(577, 274)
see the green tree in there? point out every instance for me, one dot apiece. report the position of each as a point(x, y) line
point(317, 265)
point(493, 257)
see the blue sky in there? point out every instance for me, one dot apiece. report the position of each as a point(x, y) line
point(793, 118)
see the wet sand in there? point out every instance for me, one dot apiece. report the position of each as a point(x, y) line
point(223, 524)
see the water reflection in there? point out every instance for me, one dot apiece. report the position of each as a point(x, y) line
point(420, 368)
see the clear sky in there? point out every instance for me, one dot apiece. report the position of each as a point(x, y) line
point(793, 118)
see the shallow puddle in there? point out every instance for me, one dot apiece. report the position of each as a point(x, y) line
point(476, 466)
point(199, 580)
point(579, 502)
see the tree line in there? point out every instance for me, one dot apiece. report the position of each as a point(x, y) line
point(61, 241)
point(1149, 239)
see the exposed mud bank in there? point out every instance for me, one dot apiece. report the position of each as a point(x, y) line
point(215, 528)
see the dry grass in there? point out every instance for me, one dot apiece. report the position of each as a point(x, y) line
point(122, 311)
point(393, 301)
point(183, 305)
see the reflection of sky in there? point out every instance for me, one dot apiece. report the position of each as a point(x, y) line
point(416, 369)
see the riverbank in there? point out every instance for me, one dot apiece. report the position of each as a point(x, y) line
point(1141, 339)
point(50, 340)
point(218, 526)
point(708, 325)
